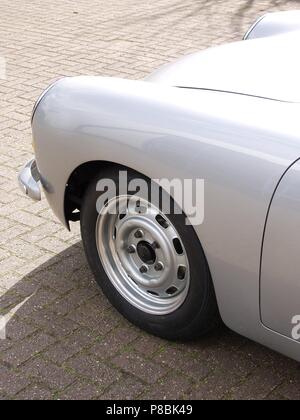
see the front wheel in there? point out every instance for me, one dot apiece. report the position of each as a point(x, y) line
point(150, 265)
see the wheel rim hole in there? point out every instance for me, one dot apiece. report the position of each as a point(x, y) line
point(162, 221)
point(181, 272)
point(171, 290)
point(122, 215)
point(178, 246)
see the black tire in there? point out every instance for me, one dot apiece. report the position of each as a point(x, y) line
point(196, 316)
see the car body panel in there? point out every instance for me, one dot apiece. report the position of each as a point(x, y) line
point(280, 280)
point(239, 145)
point(275, 23)
point(251, 68)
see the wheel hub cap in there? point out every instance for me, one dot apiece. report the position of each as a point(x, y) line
point(146, 252)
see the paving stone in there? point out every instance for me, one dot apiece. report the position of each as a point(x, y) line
point(93, 370)
point(18, 330)
point(80, 390)
point(54, 325)
point(171, 387)
point(52, 244)
point(126, 388)
point(27, 219)
point(177, 360)
point(112, 343)
point(257, 386)
point(11, 382)
point(138, 366)
point(215, 386)
point(290, 389)
point(70, 346)
point(35, 392)
point(102, 323)
point(25, 349)
point(48, 373)
point(148, 345)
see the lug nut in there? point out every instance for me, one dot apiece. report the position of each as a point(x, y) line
point(159, 266)
point(131, 249)
point(143, 269)
point(139, 234)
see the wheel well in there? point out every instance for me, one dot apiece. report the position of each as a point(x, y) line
point(77, 184)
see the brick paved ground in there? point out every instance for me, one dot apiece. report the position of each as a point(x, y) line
point(66, 341)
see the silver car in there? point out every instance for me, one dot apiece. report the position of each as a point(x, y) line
point(226, 122)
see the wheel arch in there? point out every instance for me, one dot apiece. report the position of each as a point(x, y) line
point(78, 182)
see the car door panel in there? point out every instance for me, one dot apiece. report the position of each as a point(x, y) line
point(280, 270)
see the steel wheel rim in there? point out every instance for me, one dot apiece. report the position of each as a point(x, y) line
point(143, 255)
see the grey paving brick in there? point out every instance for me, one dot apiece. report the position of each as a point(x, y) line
point(94, 370)
point(26, 349)
point(142, 368)
point(80, 390)
point(171, 387)
point(37, 392)
point(126, 388)
point(11, 382)
point(107, 346)
point(48, 373)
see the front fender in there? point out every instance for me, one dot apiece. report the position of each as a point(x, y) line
point(239, 145)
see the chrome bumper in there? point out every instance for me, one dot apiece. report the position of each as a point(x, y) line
point(29, 181)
